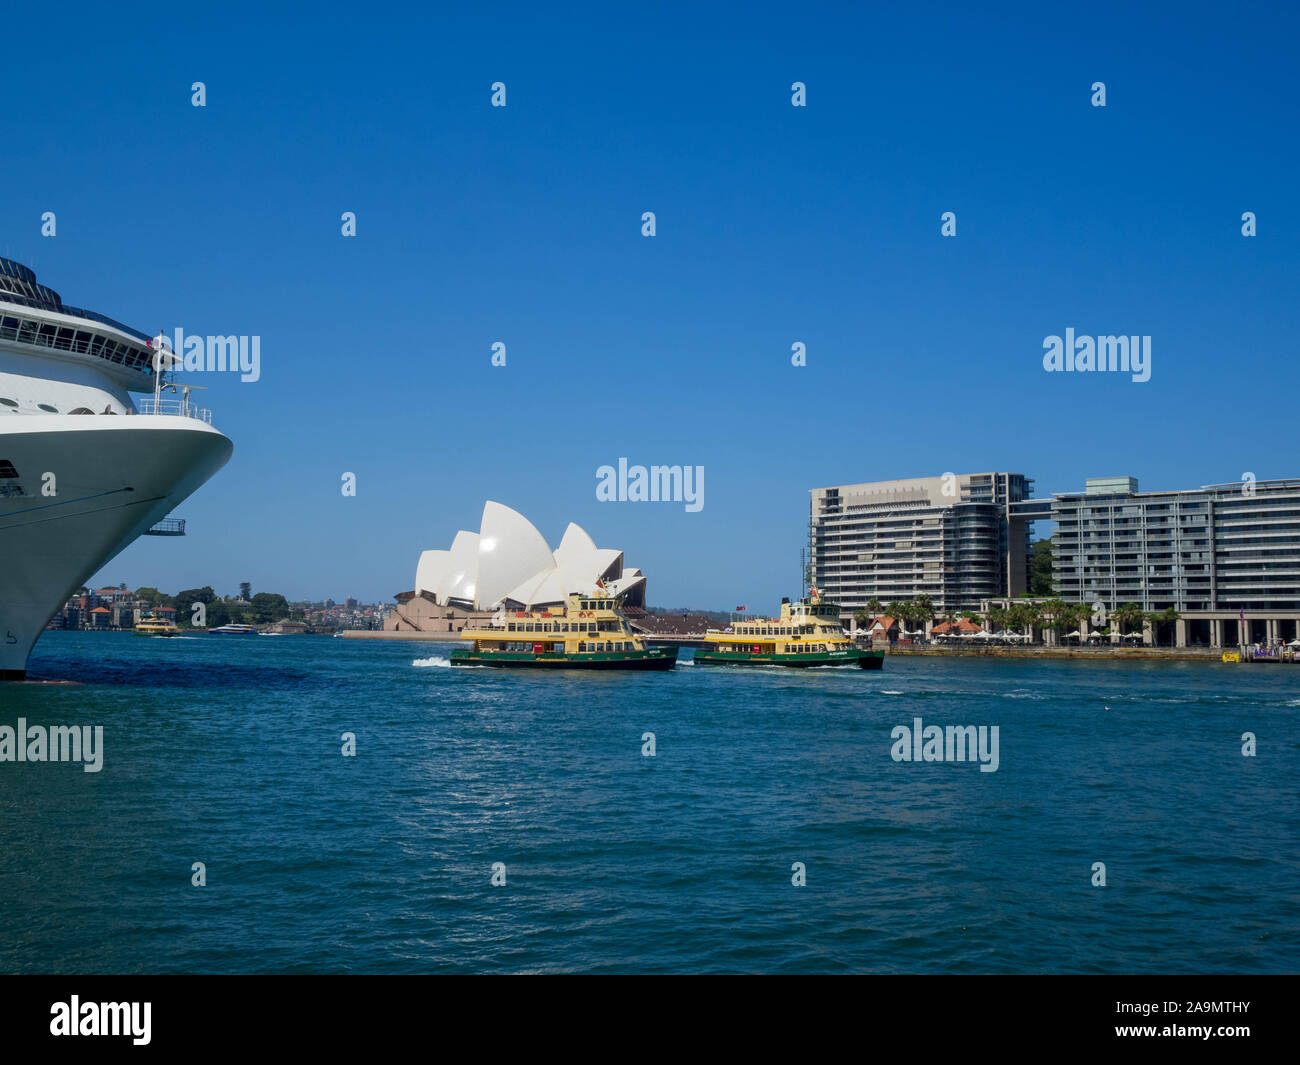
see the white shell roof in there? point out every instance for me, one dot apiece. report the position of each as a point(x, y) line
point(429, 571)
point(460, 578)
point(509, 559)
point(510, 550)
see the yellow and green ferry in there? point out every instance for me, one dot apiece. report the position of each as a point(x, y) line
point(154, 626)
point(589, 632)
point(808, 633)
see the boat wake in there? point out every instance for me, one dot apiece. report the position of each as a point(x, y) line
point(434, 661)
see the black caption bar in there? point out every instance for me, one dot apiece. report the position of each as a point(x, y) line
point(178, 1014)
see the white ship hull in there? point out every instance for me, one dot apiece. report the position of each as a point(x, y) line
point(113, 477)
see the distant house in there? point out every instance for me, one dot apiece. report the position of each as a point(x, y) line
point(955, 628)
point(101, 618)
point(884, 628)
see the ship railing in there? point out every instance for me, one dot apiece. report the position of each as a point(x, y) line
point(174, 407)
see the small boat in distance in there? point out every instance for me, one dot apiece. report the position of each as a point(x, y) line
point(234, 630)
point(589, 632)
point(156, 627)
point(808, 633)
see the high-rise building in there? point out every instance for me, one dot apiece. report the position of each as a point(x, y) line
point(1217, 555)
point(955, 537)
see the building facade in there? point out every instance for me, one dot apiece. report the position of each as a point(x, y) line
point(1225, 557)
point(956, 538)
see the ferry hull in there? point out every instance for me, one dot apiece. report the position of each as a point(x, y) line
point(653, 659)
point(852, 660)
point(113, 478)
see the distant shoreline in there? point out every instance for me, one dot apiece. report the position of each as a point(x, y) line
point(1109, 654)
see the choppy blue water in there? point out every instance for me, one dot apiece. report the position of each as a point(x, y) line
point(227, 751)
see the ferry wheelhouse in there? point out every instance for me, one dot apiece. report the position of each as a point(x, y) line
point(808, 633)
point(589, 632)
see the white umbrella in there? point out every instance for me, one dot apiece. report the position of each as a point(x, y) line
point(1076, 632)
point(1093, 633)
point(1294, 643)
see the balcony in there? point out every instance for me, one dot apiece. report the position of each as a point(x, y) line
point(174, 408)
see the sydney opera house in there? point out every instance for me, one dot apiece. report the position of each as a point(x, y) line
point(508, 565)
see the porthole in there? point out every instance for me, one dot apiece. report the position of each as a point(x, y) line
point(8, 402)
point(46, 406)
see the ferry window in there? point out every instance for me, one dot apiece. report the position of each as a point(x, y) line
point(7, 470)
point(46, 406)
point(582, 645)
point(8, 402)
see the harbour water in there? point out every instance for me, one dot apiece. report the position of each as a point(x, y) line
point(227, 751)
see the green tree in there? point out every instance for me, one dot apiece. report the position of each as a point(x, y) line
point(246, 591)
point(268, 607)
point(1024, 617)
point(1157, 618)
point(153, 597)
point(924, 610)
point(185, 601)
point(1040, 567)
point(1127, 618)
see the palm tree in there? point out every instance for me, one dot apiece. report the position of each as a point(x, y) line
point(1162, 617)
point(873, 605)
point(1051, 611)
point(898, 611)
point(1127, 617)
point(924, 610)
point(1025, 616)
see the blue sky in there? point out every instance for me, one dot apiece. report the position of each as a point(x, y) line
point(775, 224)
